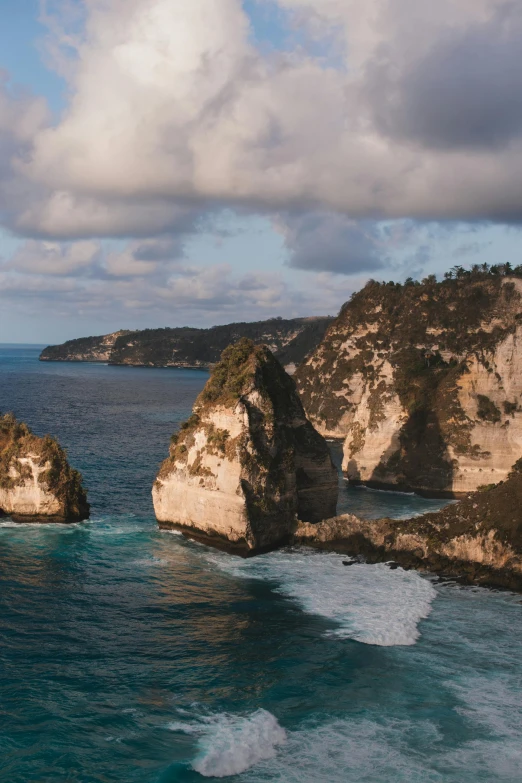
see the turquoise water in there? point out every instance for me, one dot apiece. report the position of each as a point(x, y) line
point(127, 654)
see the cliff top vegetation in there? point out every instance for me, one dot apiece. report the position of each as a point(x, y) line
point(17, 441)
point(242, 366)
point(245, 367)
point(449, 312)
point(427, 331)
point(290, 339)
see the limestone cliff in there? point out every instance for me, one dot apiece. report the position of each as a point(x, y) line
point(36, 481)
point(248, 462)
point(423, 382)
point(478, 539)
point(84, 349)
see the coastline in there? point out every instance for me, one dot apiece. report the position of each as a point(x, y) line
point(204, 367)
point(462, 571)
point(407, 489)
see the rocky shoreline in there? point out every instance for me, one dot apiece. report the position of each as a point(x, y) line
point(248, 473)
point(478, 540)
point(462, 571)
point(408, 489)
point(420, 380)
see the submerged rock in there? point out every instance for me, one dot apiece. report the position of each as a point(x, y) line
point(478, 539)
point(36, 481)
point(248, 462)
point(423, 382)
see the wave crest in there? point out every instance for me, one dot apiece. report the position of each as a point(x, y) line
point(231, 744)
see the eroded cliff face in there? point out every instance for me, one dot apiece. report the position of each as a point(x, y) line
point(423, 383)
point(478, 539)
point(36, 481)
point(248, 462)
point(84, 349)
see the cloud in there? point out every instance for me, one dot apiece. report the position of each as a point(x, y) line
point(470, 249)
point(116, 287)
point(465, 92)
point(146, 257)
point(22, 115)
point(65, 215)
point(156, 256)
point(332, 243)
point(55, 259)
point(174, 108)
point(160, 249)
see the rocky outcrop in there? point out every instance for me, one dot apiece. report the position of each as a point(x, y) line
point(423, 382)
point(247, 463)
point(84, 349)
point(478, 539)
point(291, 340)
point(36, 481)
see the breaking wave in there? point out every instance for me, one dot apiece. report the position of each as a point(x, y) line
point(231, 744)
point(369, 603)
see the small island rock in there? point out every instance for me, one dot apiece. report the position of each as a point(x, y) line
point(248, 463)
point(36, 481)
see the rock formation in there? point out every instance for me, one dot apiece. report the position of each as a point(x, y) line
point(291, 340)
point(84, 349)
point(248, 462)
point(423, 382)
point(36, 481)
point(478, 539)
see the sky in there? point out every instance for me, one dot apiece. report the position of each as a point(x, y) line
point(195, 162)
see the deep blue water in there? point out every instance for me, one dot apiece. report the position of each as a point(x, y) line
point(128, 654)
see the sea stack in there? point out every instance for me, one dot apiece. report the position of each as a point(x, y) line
point(36, 480)
point(248, 463)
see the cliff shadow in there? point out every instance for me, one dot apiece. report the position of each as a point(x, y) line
point(421, 463)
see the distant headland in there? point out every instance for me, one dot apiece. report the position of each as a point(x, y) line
point(187, 347)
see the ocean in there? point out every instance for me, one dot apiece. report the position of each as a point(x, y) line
point(131, 655)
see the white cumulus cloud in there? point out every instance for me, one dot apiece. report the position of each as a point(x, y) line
point(172, 103)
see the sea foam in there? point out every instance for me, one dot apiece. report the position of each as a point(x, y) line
point(361, 750)
point(231, 744)
point(369, 603)
point(10, 524)
point(350, 751)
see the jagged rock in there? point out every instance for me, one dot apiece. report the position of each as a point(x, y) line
point(423, 382)
point(36, 481)
point(248, 462)
point(478, 539)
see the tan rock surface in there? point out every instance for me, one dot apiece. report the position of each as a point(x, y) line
point(248, 462)
point(36, 481)
point(423, 383)
point(478, 539)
